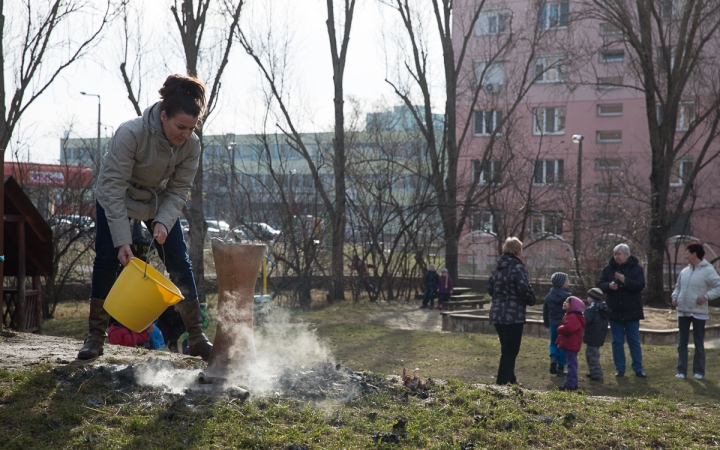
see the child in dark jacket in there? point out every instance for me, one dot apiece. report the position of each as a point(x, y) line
point(552, 317)
point(570, 334)
point(445, 288)
point(432, 279)
point(596, 326)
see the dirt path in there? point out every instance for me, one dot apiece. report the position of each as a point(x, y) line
point(19, 350)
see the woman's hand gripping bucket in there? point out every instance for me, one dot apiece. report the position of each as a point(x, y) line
point(140, 294)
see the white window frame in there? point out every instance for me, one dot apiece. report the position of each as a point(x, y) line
point(492, 22)
point(495, 74)
point(600, 112)
point(612, 56)
point(608, 140)
point(685, 109)
point(546, 220)
point(608, 29)
point(608, 163)
point(553, 172)
point(480, 172)
point(551, 15)
point(540, 125)
point(551, 69)
point(495, 114)
point(602, 84)
point(487, 222)
point(671, 9)
point(681, 168)
point(607, 189)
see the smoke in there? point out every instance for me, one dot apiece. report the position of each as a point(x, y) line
point(280, 347)
point(163, 374)
point(267, 360)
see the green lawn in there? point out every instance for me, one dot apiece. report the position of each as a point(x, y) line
point(40, 408)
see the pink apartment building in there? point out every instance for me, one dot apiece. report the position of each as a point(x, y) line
point(565, 75)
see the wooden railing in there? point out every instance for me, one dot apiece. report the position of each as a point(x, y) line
point(25, 316)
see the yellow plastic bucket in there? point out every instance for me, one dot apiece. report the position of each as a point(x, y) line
point(138, 298)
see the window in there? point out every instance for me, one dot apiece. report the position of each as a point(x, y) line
point(609, 29)
point(680, 172)
point(546, 223)
point(548, 171)
point(486, 73)
point(611, 56)
point(609, 82)
point(483, 221)
point(609, 136)
point(492, 22)
point(487, 122)
point(550, 69)
point(610, 109)
point(663, 52)
point(553, 16)
point(486, 172)
point(685, 115)
point(607, 163)
point(608, 188)
point(549, 120)
point(607, 217)
point(671, 9)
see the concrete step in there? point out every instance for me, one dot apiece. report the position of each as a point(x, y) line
point(451, 305)
point(461, 290)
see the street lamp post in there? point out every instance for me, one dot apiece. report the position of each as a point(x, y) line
point(578, 139)
point(99, 151)
point(231, 147)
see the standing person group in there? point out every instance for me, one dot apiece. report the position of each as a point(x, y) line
point(697, 284)
point(146, 174)
point(509, 286)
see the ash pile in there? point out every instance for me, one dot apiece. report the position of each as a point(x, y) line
point(166, 379)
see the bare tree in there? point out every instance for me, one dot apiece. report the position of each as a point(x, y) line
point(191, 20)
point(272, 63)
point(673, 47)
point(37, 45)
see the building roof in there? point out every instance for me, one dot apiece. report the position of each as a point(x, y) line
point(38, 234)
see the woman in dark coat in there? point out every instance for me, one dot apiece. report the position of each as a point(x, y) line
point(511, 293)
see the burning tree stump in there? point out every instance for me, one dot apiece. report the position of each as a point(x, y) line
point(237, 266)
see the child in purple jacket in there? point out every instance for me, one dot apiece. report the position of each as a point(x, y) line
point(445, 288)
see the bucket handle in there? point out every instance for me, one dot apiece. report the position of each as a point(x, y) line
point(149, 252)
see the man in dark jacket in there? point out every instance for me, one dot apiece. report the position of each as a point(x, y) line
point(596, 325)
point(432, 281)
point(623, 281)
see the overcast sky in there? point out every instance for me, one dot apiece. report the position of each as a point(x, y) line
point(63, 107)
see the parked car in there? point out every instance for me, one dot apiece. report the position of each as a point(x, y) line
point(71, 224)
point(256, 231)
point(217, 228)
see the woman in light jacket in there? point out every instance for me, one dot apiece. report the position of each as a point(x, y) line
point(146, 174)
point(697, 284)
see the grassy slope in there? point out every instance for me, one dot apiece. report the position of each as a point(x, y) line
point(38, 411)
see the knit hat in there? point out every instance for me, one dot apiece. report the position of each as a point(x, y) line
point(596, 294)
point(575, 304)
point(444, 271)
point(558, 279)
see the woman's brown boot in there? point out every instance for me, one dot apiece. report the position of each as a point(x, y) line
point(98, 322)
point(198, 344)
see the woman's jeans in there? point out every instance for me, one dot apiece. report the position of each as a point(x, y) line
point(620, 330)
point(556, 353)
point(699, 340)
point(173, 253)
point(510, 338)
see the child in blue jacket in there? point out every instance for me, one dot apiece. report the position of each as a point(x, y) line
point(553, 314)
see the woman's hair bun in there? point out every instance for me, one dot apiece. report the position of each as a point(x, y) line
point(183, 94)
